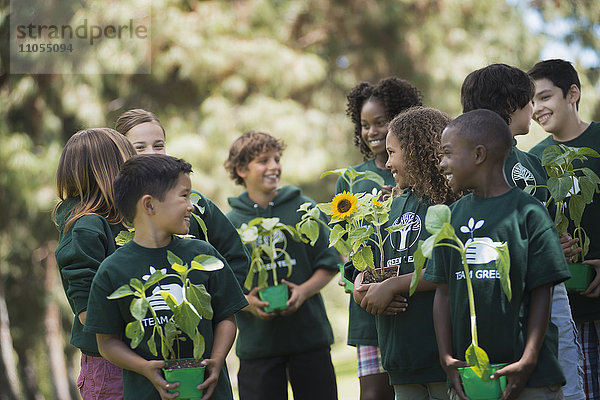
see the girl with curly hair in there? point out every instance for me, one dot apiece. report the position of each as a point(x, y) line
point(405, 334)
point(371, 108)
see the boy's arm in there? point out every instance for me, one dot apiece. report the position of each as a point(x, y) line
point(518, 373)
point(593, 290)
point(443, 334)
point(113, 349)
point(380, 296)
point(224, 336)
point(256, 306)
point(307, 289)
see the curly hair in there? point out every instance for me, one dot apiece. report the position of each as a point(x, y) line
point(497, 87)
point(419, 132)
point(395, 94)
point(246, 148)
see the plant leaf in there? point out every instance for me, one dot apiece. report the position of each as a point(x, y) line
point(156, 277)
point(201, 300)
point(309, 228)
point(202, 225)
point(152, 343)
point(339, 172)
point(139, 308)
point(124, 237)
point(180, 269)
point(205, 262)
point(576, 206)
point(186, 318)
point(169, 299)
point(199, 345)
point(503, 267)
point(478, 360)
point(122, 291)
point(419, 261)
point(269, 223)
point(135, 332)
point(363, 259)
point(436, 217)
point(136, 284)
point(374, 177)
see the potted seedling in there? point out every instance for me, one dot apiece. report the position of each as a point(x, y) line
point(570, 190)
point(263, 235)
point(356, 224)
point(188, 302)
point(475, 377)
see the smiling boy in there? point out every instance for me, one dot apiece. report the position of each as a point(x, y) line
point(474, 150)
point(556, 109)
point(153, 191)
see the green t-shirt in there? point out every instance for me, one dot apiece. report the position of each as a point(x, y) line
point(536, 259)
point(582, 307)
point(308, 328)
point(407, 340)
point(361, 324)
point(222, 235)
point(134, 261)
point(79, 253)
point(524, 169)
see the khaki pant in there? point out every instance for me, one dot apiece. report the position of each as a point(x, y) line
point(425, 391)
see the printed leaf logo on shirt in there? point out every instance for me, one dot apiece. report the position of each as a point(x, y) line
point(189, 302)
point(437, 222)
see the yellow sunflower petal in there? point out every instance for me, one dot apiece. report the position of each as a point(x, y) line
point(343, 205)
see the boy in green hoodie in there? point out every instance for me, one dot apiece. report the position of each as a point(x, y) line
point(295, 342)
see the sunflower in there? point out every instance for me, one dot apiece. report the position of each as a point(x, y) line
point(343, 205)
point(377, 203)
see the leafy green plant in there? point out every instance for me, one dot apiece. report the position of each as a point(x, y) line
point(194, 305)
point(261, 235)
point(437, 223)
point(578, 184)
point(356, 221)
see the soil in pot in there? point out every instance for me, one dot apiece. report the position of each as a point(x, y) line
point(388, 272)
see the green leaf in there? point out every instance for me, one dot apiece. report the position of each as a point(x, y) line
point(576, 207)
point(478, 360)
point(336, 233)
point(202, 225)
point(559, 187)
point(139, 308)
point(586, 151)
point(249, 234)
point(152, 343)
point(503, 267)
point(528, 189)
point(269, 223)
point(363, 259)
point(552, 155)
point(173, 259)
point(195, 198)
point(201, 300)
point(375, 177)
point(171, 333)
point(343, 247)
point(199, 345)
point(156, 277)
point(169, 299)
point(309, 228)
point(249, 278)
point(304, 207)
point(426, 247)
point(436, 217)
point(591, 175)
point(135, 332)
point(186, 318)
point(588, 188)
point(359, 235)
point(339, 172)
point(124, 237)
point(123, 291)
point(180, 269)
point(288, 262)
point(136, 284)
point(325, 208)
point(205, 262)
point(419, 263)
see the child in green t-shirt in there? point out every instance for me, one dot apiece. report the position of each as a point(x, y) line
point(405, 334)
point(508, 92)
point(556, 109)
point(294, 344)
point(371, 108)
point(474, 150)
point(146, 133)
point(153, 191)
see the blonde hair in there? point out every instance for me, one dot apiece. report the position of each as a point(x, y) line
point(87, 167)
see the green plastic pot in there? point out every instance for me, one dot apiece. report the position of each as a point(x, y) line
point(188, 379)
point(348, 286)
point(581, 276)
point(277, 296)
point(478, 389)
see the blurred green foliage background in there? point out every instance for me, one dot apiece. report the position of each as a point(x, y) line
point(218, 69)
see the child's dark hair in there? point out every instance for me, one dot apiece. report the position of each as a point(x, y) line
point(497, 87)
point(246, 148)
point(132, 118)
point(419, 131)
point(485, 127)
point(153, 174)
point(560, 72)
point(88, 164)
point(395, 94)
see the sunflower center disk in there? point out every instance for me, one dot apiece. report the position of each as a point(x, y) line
point(344, 206)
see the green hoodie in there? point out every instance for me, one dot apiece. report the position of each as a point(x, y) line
point(308, 328)
point(222, 235)
point(80, 251)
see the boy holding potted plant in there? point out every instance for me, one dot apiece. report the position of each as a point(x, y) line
point(556, 109)
point(474, 150)
point(153, 191)
point(294, 342)
point(508, 92)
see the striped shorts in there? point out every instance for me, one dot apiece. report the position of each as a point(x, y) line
point(588, 334)
point(369, 360)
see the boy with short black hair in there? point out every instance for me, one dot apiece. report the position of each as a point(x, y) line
point(474, 150)
point(556, 104)
point(508, 92)
point(296, 342)
point(153, 191)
